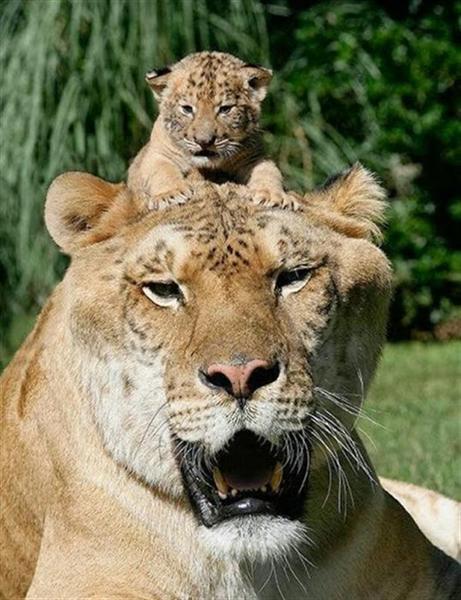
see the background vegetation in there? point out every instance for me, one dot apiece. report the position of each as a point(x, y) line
point(415, 401)
point(362, 80)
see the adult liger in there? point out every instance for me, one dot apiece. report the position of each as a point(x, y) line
point(180, 423)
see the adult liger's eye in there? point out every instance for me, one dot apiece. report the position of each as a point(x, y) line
point(292, 280)
point(163, 293)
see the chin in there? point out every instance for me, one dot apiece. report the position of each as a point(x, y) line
point(201, 161)
point(259, 538)
point(204, 162)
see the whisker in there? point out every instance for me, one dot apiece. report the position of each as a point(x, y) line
point(149, 424)
point(350, 446)
point(268, 578)
point(343, 403)
point(333, 458)
point(293, 572)
point(304, 561)
point(277, 581)
point(368, 436)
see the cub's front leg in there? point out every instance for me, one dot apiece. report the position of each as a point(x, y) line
point(158, 181)
point(266, 184)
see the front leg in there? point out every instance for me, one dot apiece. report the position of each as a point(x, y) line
point(157, 181)
point(266, 184)
point(74, 574)
point(103, 557)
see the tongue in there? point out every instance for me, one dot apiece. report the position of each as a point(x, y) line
point(247, 464)
point(246, 479)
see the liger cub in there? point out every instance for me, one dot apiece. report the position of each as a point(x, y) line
point(209, 108)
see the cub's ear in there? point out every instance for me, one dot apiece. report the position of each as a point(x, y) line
point(82, 209)
point(157, 80)
point(352, 203)
point(257, 79)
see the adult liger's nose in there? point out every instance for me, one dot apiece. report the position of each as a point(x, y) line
point(241, 381)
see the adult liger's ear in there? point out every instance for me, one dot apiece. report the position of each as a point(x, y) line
point(257, 79)
point(352, 202)
point(82, 209)
point(157, 79)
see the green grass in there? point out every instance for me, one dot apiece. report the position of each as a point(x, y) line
point(416, 399)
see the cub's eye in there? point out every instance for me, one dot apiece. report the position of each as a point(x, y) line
point(163, 293)
point(225, 109)
point(292, 280)
point(187, 109)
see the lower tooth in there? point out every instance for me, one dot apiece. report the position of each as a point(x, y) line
point(264, 488)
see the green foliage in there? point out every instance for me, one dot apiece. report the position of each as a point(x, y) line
point(352, 83)
point(415, 401)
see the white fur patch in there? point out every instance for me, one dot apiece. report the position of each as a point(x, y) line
point(201, 161)
point(259, 538)
point(134, 426)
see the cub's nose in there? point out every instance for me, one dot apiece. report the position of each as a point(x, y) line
point(204, 139)
point(240, 381)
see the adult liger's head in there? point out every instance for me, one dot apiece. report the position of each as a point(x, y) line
point(212, 338)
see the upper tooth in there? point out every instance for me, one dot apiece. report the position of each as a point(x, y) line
point(221, 485)
point(277, 476)
point(263, 488)
point(233, 492)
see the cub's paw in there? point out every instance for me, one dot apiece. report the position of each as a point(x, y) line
point(276, 199)
point(177, 195)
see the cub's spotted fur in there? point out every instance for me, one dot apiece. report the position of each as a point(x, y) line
point(210, 103)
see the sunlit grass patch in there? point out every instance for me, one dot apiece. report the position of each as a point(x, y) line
point(416, 398)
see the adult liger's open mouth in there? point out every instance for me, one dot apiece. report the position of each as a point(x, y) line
point(249, 476)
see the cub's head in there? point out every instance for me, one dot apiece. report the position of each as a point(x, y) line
point(222, 346)
point(210, 104)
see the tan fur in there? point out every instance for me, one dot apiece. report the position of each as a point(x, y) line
point(438, 517)
point(358, 201)
point(93, 505)
point(205, 82)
